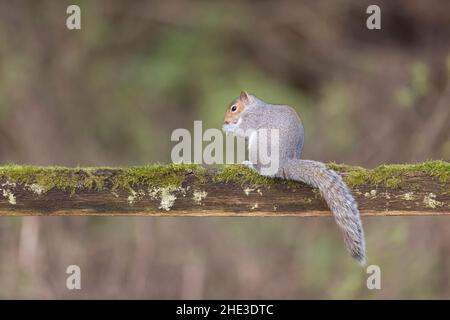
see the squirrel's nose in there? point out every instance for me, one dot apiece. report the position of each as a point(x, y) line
point(226, 121)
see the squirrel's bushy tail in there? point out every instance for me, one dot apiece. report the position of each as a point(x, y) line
point(338, 197)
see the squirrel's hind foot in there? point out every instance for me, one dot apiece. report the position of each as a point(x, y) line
point(248, 164)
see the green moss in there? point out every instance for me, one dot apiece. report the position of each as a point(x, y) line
point(71, 179)
point(387, 175)
point(158, 175)
point(43, 179)
point(241, 174)
point(393, 183)
point(52, 177)
point(391, 175)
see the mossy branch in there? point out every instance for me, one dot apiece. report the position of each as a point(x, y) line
point(232, 190)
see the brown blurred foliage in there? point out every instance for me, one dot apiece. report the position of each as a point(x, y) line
point(111, 94)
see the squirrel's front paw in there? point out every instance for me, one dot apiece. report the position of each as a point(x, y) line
point(248, 164)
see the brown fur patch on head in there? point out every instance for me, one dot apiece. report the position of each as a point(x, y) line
point(234, 109)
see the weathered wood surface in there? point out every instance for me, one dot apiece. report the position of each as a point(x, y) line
point(418, 194)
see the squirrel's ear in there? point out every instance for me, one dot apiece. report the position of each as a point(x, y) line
point(244, 97)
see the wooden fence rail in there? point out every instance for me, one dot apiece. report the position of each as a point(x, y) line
point(191, 190)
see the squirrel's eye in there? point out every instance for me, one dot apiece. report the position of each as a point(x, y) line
point(233, 109)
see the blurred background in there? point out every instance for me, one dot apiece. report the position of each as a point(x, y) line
point(112, 93)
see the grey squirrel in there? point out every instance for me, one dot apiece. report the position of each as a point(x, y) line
point(247, 113)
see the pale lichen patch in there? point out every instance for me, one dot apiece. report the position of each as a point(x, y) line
point(198, 196)
point(247, 190)
point(8, 184)
point(153, 193)
point(35, 188)
point(9, 196)
point(372, 194)
point(430, 201)
point(135, 195)
point(166, 195)
point(367, 194)
point(131, 197)
point(255, 206)
point(409, 196)
point(7, 190)
point(167, 199)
